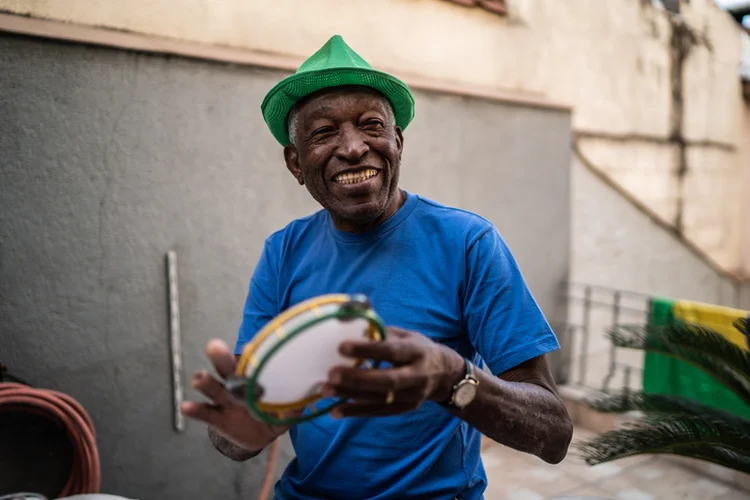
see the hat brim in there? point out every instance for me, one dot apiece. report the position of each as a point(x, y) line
point(288, 92)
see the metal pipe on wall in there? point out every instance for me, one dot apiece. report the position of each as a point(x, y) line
point(175, 339)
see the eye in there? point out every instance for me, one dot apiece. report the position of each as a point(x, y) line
point(373, 123)
point(321, 132)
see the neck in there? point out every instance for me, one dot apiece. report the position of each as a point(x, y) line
point(349, 226)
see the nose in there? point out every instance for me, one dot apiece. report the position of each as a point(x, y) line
point(352, 146)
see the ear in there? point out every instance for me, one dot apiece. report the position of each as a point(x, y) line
point(291, 157)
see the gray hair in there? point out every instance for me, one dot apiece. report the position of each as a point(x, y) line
point(292, 120)
point(292, 123)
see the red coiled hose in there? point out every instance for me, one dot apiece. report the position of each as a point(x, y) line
point(85, 475)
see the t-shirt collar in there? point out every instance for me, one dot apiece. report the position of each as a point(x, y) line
point(379, 230)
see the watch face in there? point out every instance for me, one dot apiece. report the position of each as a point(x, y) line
point(464, 394)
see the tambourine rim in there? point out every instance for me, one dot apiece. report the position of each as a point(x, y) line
point(369, 316)
point(261, 409)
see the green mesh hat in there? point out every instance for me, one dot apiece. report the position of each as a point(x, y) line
point(334, 65)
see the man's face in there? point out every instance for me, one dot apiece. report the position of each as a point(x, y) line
point(347, 152)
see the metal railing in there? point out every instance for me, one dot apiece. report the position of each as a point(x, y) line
point(592, 310)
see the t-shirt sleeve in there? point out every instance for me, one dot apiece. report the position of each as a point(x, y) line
point(261, 304)
point(503, 320)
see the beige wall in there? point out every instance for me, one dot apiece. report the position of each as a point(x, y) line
point(745, 203)
point(609, 60)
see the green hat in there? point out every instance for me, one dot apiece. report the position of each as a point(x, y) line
point(335, 64)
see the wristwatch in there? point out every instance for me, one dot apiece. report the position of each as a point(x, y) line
point(466, 389)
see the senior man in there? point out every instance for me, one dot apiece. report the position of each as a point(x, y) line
point(442, 277)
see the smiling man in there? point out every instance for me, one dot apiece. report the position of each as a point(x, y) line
point(442, 278)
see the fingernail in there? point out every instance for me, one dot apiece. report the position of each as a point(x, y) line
point(336, 414)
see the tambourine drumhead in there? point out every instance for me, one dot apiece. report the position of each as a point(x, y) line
point(291, 356)
point(295, 371)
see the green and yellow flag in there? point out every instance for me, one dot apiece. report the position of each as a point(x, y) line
point(665, 375)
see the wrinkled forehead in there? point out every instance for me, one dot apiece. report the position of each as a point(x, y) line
point(341, 99)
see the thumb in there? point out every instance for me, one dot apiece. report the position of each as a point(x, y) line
point(221, 357)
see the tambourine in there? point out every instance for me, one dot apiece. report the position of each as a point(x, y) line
point(281, 372)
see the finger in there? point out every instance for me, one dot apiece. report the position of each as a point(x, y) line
point(214, 390)
point(202, 411)
point(395, 332)
point(384, 380)
point(221, 357)
point(392, 351)
point(371, 409)
point(413, 395)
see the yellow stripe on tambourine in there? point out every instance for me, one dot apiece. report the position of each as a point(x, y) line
point(275, 327)
point(294, 405)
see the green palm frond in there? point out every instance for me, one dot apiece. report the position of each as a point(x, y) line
point(634, 337)
point(713, 454)
point(626, 400)
point(741, 325)
point(699, 346)
point(673, 424)
point(670, 434)
point(717, 455)
point(657, 404)
point(708, 342)
point(687, 337)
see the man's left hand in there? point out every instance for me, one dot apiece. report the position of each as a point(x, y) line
point(421, 370)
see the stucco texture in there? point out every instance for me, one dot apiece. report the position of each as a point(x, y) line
point(110, 159)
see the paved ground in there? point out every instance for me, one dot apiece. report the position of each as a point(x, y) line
point(517, 476)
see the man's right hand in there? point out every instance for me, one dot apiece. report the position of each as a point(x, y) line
point(230, 419)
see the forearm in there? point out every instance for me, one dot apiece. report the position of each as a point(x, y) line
point(524, 415)
point(231, 450)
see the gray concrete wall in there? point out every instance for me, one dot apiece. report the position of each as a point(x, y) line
point(110, 159)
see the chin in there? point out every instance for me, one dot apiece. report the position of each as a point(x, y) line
point(361, 213)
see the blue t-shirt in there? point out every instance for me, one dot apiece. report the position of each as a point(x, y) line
point(433, 269)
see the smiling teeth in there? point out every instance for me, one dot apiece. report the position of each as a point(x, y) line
point(356, 177)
